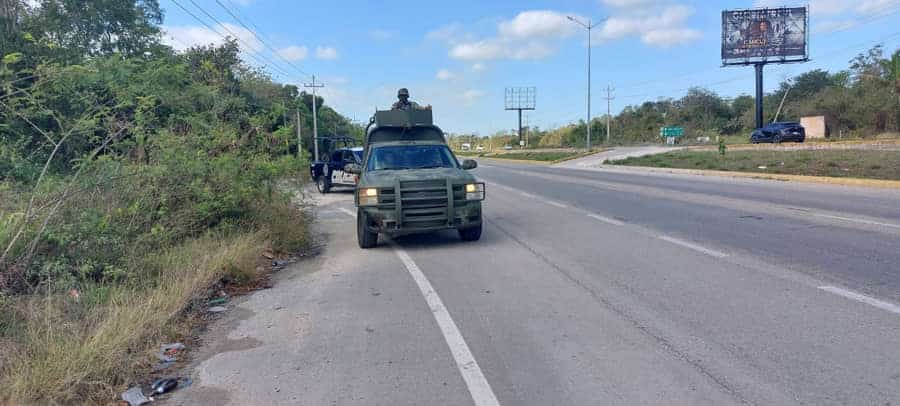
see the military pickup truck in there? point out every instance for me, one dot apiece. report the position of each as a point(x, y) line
point(410, 182)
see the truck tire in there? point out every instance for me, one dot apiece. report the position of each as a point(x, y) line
point(470, 234)
point(323, 183)
point(365, 238)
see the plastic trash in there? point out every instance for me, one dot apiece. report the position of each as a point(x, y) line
point(164, 385)
point(217, 301)
point(167, 352)
point(135, 396)
point(217, 309)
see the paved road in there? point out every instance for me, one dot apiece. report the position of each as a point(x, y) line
point(587, 288)
point(596, 160)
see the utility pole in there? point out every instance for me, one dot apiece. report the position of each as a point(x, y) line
point(609, 98)
point(315, 86)
point(299, 140)
point(589, 26)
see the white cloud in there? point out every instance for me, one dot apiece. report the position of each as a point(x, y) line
point(478, 51)
point(831, 26)
point(661, 30)
point(630, 3)
point(451, 34)
point(670, 37)
point(381, 35)
point(536, 34)
point(471, 96)
point(183, 37)
point(293, 53)
point(326, 53)
point(537, 24)
point(445, 74)
point(835, 7)
point(477, 67)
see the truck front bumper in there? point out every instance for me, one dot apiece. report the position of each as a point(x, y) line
point(386, 220)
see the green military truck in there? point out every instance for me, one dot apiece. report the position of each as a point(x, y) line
point(410, 182)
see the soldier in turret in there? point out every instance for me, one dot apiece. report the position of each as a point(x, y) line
point(405, 104)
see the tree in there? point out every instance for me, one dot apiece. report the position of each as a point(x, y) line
point(891, 68)
point(868, 65)
point(79, 28)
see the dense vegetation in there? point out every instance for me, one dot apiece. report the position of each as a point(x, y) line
point(862, 101)
point(132, 177)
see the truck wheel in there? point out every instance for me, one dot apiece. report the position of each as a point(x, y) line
point(323, 183)
point(364, 237)
point(470, 234)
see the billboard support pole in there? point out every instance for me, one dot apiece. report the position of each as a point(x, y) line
point(520, 128)
point(759, 94)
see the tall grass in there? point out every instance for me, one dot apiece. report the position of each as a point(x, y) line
point(86, 351)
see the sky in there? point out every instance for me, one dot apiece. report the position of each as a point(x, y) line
point(459, 56)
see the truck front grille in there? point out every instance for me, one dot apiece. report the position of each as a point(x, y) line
point(423, 203)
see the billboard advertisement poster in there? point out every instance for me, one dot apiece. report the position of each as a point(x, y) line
point(764, 35)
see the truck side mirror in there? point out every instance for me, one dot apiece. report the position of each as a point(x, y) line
point(355, 169)
point(469, 164)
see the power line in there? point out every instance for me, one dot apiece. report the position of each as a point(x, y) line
point(261, 40)
point(259, 59)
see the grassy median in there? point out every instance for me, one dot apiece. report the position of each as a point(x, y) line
point(871, 164)
point(538, 156)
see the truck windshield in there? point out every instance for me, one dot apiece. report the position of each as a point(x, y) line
point(396, 157)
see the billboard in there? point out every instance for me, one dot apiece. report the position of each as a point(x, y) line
point(764, 35)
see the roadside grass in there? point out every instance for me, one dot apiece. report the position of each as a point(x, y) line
point(540, 156)
point(872, 164)
point(76, 351)
point(59, 347)
point(543, 156)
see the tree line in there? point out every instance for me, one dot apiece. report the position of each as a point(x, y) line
point(860, 101)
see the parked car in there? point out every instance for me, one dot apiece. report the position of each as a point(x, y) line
point(479, 148)
point(507, 147)
point(329, 172)
point(779, 132)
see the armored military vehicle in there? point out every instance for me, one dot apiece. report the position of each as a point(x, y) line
point(410, 182)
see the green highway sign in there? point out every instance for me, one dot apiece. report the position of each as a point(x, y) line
point(671, 132)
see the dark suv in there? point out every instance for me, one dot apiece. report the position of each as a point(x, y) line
point(779, 132)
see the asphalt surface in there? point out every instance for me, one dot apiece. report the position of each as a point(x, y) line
point(587, 288)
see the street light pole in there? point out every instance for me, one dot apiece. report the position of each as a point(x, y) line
point(589, 27)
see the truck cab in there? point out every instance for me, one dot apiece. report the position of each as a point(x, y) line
point(411, 182)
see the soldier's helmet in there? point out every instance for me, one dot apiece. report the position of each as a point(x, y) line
point(403, 92)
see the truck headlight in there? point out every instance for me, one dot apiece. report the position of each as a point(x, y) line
point(368, 197)
point(475, 191)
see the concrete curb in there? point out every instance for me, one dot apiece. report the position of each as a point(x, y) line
point(519, 161)
point(877, 183)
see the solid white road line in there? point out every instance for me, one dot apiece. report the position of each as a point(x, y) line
point(862, 298)
point(528, 195)
point(478, 385)
point(695, 247)
point(856, 220)
point(347, 212)
point(606, 219)
point(557, 204)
